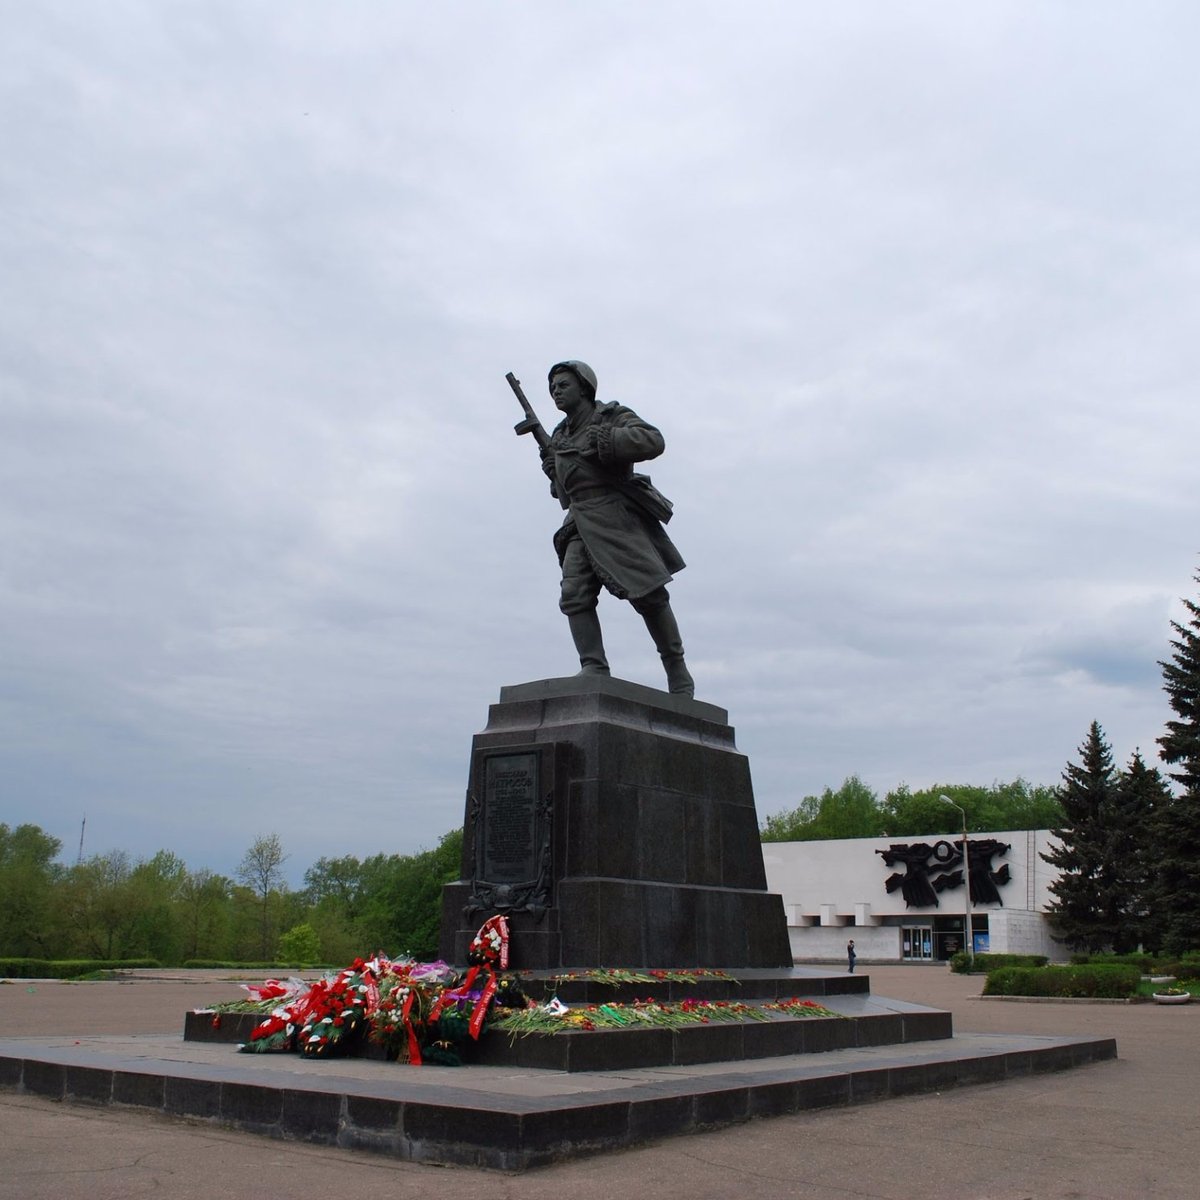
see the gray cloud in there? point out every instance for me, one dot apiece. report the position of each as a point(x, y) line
point(911, 292)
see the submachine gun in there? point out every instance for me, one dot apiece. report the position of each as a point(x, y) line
point(530, 424)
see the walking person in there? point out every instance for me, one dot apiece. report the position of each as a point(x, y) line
point(850, 955)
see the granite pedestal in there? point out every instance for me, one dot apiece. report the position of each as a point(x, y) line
point(613, 825)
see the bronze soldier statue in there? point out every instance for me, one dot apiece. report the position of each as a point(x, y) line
point(613, 534)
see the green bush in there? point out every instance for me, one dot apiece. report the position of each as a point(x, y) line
point(1109, 981)
point(70, 968)
point(1185, 968)
point(962, 963)
point(217, 964)
point(1144, 962)
point(301, 943)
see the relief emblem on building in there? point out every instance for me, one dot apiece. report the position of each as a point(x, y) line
point(930, 869)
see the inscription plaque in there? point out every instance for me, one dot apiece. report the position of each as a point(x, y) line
point(510, 795)
point(509, 819)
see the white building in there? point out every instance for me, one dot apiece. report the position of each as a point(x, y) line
point(904, 898)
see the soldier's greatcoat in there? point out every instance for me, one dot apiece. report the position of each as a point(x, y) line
point(617, 514)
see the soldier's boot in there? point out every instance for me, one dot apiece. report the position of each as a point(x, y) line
point(664, 630)
point(589, 642)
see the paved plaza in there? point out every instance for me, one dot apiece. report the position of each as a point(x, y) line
point(1123, 1129)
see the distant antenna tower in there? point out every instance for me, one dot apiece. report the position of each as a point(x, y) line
point(82, 827)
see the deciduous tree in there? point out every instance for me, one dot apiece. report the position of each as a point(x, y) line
point(402, 907)
point(28, 874)
point(261, 870)
point(852, 811)
point(97, 906)
point(204, 914)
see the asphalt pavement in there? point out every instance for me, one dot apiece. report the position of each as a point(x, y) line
point(1125, 1129)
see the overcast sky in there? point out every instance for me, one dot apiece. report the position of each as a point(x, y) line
point(910, 288)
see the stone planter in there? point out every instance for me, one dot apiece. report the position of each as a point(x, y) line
point(1160, 998)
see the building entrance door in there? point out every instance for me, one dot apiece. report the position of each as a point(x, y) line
point(917, 942)
point(948, 944)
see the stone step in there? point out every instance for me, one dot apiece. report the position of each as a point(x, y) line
point(581, 1051)
point(619, 1049)
point(724, 1041)
point(504, 1119)
point(861, 1021)
point(747, 985)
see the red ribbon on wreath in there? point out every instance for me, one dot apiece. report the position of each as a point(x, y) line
point(414, 1045)
point(372, 986)
point(489, 950)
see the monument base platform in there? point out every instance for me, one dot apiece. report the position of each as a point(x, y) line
point(509, 1117)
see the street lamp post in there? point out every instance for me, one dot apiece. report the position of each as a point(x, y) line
point(970, 946)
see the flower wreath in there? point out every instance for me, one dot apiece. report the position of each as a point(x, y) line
point(488, 952)
point(387, 1000)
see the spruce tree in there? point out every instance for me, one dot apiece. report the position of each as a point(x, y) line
point(1143, 797)
point(1180, 745)
point(1085, 910)
point(1178, 896)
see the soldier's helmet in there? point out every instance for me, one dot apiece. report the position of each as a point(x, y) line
point(580, 370)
